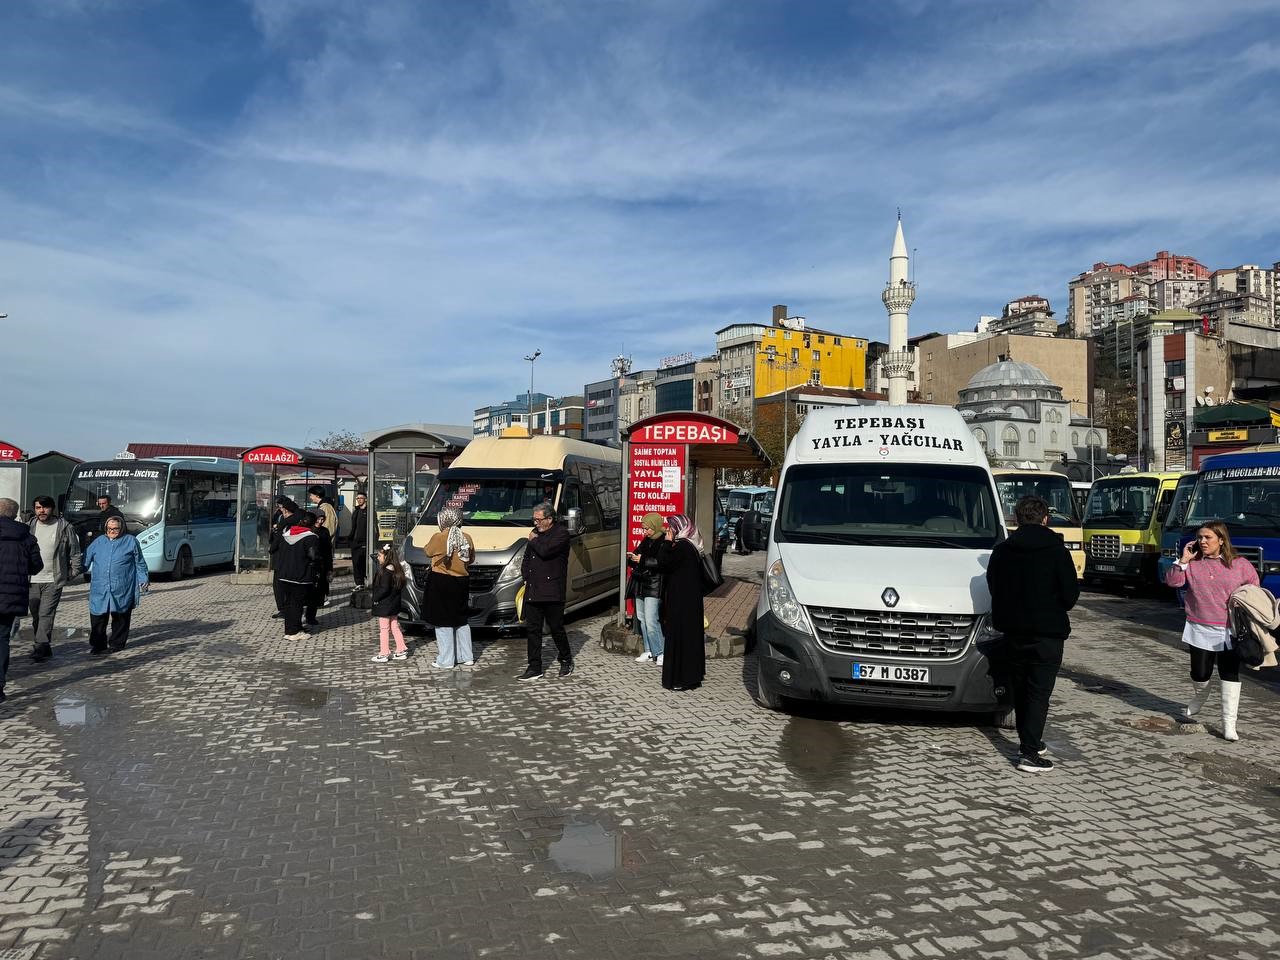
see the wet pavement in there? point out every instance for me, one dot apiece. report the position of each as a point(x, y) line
point(216, 791)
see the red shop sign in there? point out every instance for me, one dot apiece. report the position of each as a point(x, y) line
point(10, 453)
point(268, 454)
point(684, 431)
point(657, 484)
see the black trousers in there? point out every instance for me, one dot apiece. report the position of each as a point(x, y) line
point(294, 596)
point(119, 636)
point(6, 627)
point(535, 614)
point(316, 595)
point(1033, 670)
point(277, 588)
point(359, 563)
point(1202, 662)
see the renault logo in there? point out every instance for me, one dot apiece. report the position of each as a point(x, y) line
point(890, 597)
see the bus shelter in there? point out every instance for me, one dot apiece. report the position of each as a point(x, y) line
point(671, 461)
point(13, 475)
point(403, 465)
point(269, 471)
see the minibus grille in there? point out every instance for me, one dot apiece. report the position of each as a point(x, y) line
point(892, 635)
point(484, 576)
point(1105, 546)
point(900, 691)
point(1253, 555)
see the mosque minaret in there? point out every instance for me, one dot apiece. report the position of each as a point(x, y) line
point(898, 296)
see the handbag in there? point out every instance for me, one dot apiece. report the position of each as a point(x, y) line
point(711, 578)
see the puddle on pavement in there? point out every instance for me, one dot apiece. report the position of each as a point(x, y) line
point(311, 697)
point(78, 712)
point(588, 848)
point(1236, 772)
point(818, 751)
point(1159, 723)
point(224, 650)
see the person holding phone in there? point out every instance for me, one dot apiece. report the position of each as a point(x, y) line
point(1210, 571)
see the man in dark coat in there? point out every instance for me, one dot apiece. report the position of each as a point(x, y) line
point(286, 516)
point(1033, 585)
point(546, 572)
point(297, 563)
point(319, 591)
point(19, 559)
point(359, 540)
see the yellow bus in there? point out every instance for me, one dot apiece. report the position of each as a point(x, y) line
point(1123, 521)
point(1064, 517)
point(496, 482)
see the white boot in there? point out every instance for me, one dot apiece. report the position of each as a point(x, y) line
point(1200, 693)
point(1230, 707)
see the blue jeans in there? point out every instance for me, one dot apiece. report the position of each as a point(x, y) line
point(446, 655)
point(650, 625)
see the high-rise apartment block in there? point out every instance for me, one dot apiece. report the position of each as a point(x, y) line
point(1166, 280)
point(1026, 316)
point(1089, 294)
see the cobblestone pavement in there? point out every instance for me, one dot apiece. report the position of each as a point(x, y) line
point(215, 791)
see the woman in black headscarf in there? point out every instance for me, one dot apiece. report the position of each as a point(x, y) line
point(684, 662)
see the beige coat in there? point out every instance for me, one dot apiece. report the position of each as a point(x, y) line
point(453, 566)
point(1262, 611)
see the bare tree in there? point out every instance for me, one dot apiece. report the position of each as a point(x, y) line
point(341, 440)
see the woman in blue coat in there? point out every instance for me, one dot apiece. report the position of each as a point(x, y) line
point(119, 577)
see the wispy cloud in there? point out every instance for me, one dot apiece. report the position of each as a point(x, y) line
point(294, 215)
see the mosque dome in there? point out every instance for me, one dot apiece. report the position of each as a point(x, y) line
point(1009, 373)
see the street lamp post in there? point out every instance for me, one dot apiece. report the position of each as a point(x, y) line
point(531, 359)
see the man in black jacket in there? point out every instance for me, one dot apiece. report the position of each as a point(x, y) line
point(546, 570)
point(359, 540)
point(1033, 585)
point(19, 559)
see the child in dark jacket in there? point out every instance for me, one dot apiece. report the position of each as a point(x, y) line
point(388, 588)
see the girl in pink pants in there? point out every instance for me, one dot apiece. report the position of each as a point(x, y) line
point(388, 585)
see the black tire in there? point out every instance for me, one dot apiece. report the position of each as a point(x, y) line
point(765, 697)
point(1003, 719)
point(183, 566)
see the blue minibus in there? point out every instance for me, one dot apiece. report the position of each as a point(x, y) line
point(181, 509)
point(1243, 491)
point(1171, 537)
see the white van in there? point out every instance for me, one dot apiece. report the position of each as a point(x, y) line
point(875, 582)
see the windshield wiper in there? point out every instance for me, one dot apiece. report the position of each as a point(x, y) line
point(933, 541)
point(846, 538)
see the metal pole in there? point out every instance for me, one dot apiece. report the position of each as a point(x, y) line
point(623, 545)
point(240, 509)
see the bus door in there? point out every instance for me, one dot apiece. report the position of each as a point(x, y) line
point(213, 517)
point(177, 514)
point(593, 554)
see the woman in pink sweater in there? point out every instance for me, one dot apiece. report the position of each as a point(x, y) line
point(1211, 571)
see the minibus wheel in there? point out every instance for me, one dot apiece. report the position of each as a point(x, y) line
point(1003, 719)
point(182, 566)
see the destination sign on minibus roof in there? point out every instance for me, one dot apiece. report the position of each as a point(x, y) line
point(118, 473)
point(1241, 473)
point(885, 433)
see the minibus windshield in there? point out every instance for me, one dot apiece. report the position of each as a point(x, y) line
point(1248, 505)
point(137, 492)
point(1054, 488)
point(1122, 503)
point(491, 501)
point(898, 505)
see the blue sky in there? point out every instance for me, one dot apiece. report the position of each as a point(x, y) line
point(240, 221)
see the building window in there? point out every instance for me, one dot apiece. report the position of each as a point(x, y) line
point(836, 341)
point(1175, 368)
point(817, 356)
point(1010, 439)
point(795, 354)
point(815, 377)
point(1075, 438)
point(1031, 436)
point(822, 339)
point(929, 396)
point(1094, 440)
point(1053, 438)
point(979, 434)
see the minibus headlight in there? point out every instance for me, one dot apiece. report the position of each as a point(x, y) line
point(1073, 545)
point(511, 572)
point(782, 601)
point(983, 631)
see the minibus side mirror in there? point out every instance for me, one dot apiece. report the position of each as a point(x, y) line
point(573, 521)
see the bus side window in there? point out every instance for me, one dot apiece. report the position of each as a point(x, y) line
point(1162, 508)
point(592, 522)
point(201, 489)
point(177, 508)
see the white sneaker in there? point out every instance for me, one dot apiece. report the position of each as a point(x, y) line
point(379, 658)
point(644, 657)
point(659, 661)
point(440, 666)
point(400, 655)
point(467, 663)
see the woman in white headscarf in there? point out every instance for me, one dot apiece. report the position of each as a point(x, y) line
point(448, 597)
point(684, 661)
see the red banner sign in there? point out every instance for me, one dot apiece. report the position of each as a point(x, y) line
point(269, 454)
point(684, 431)
point(8, 452)
point(657, 484)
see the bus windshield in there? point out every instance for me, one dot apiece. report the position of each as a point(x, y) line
point(136, 491)
point(1122, 503)
point(1248, 504)
point(913, 505)
point(1054, 488)
point(491, 501)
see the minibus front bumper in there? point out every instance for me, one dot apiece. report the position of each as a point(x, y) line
point(793, 665)
point(1129, 567)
